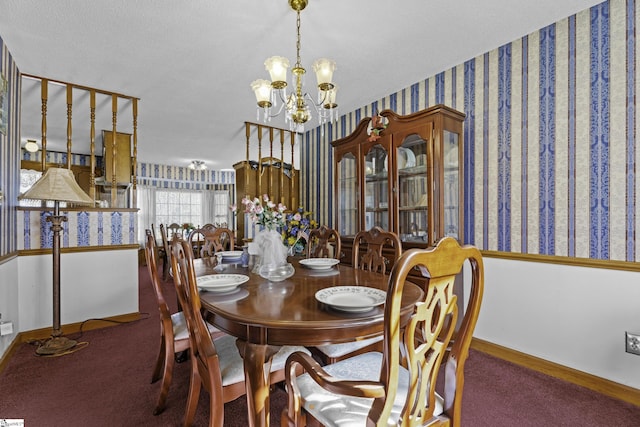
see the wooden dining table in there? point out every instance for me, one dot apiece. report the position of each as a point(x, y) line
point(266, 315)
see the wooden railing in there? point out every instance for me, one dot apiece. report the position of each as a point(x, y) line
point(268, 172)
point(70, 88)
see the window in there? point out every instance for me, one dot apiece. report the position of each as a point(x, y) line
point(166, 206)
point(178, 206)
point(221, 208)
point(28, 177)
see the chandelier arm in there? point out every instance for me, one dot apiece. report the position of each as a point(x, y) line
point(282, 107)
point(316, 105)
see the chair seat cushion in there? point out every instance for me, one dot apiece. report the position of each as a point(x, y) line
point(337, 410)
point(339, 350)
point(180, 331)
point(231, 366)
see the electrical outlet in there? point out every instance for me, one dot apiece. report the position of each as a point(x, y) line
point(632, 343)
point(6, 328)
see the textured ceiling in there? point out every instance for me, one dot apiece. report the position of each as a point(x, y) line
point(191, 62)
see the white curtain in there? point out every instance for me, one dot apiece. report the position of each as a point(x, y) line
point(208, 207)
point(147, 212)
point(215, 207)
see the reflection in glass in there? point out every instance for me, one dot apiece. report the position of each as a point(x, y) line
point(412, 185)
point(451, 184)
point(376, 195)
point(348, 196)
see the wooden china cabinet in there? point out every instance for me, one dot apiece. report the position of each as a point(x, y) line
point(402, 173)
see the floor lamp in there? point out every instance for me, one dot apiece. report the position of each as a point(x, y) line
point(57, 185)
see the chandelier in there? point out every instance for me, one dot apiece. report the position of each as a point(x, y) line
point(296, 104)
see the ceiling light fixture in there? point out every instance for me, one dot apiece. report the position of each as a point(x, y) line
point(31, 146)
point(197, 165)
point(296, 104)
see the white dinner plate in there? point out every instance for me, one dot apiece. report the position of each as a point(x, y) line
point(221, 282)
point(319, 263)
point(351, 298)
point(230, 255)
point(406, 158)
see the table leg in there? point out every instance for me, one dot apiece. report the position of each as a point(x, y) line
point(257, 368)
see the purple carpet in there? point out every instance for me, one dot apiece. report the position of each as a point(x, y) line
point(108, 384)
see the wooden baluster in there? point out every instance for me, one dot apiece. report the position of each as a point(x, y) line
point(92, 137)
point(135, 152)
point(69, 127)
point(293, 191)
point(260, 161)
point(247, 166)
point(114, 178)
point(269, 186)
point(44, 89)
point(282, 192)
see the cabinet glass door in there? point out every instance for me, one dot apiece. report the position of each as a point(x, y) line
point(376, 189)
point(413, 203)
point(347, 178)
point(451, 189)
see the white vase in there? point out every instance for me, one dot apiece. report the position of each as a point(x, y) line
point(273, 252)
point(273, 263)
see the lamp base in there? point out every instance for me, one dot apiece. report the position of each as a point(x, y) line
point(55, 345)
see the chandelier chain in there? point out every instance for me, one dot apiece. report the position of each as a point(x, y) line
point(298, 63)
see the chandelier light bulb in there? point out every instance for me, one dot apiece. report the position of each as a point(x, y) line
point(330, 98)
point(324, 69)
point(262, 90)
point(277, 67)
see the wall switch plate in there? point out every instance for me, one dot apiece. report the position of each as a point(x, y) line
point(632, 343)
point(6, 328)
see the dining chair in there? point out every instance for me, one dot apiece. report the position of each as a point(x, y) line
point(208, 227)
point(220, 239)
point(371, 248)
point(196, 239)
point(323, 242)
point(174, 228)
point(161, 255)
point(216, 363)
point(370, 252)
point(398, 387)
point(174, 336)
point(167, 260)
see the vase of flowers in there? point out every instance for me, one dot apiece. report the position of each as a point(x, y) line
point(294, 224)
point(271, 218)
